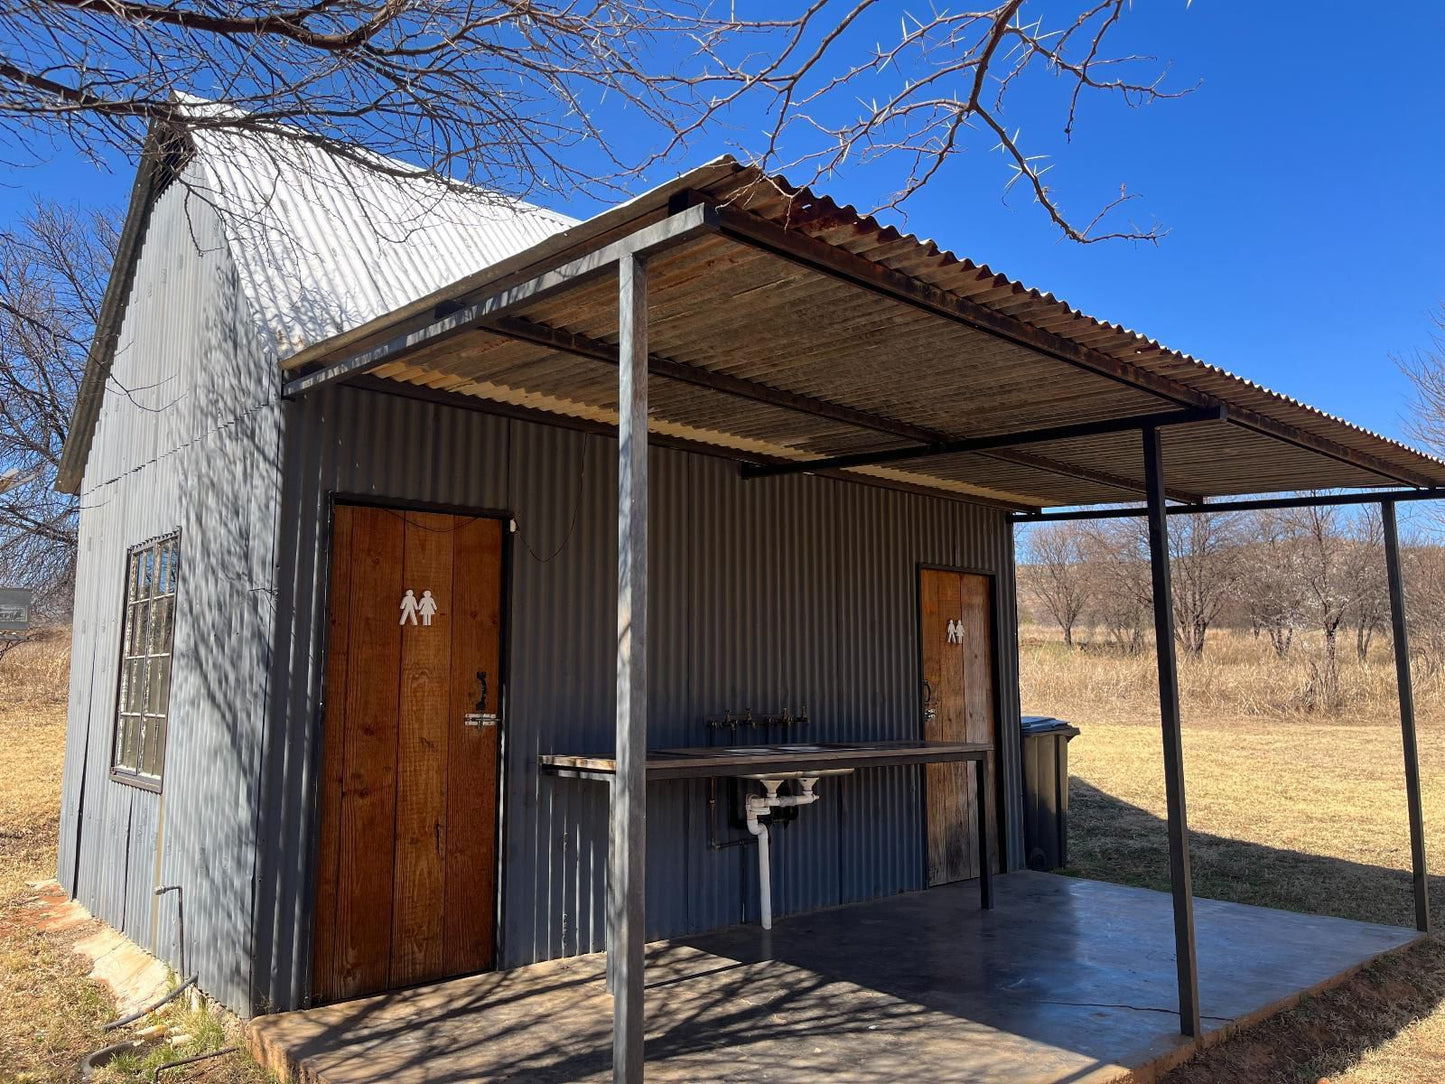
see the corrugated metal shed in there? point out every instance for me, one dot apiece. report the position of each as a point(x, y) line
point(768, 594)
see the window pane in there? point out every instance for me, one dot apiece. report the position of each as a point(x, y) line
point(122, 730)
point(139, 728)
point(160, 626)
point(123, 696)
point(173, 564)
point(161, 691)
point(155, 749)
point(155, 690)
point(163, 576)
point(134, 686)
point(130, 738)
point(140, 619)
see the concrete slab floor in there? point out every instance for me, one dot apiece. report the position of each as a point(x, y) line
point(1067, 981)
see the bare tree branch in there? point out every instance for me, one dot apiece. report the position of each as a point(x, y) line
point(526, 96)
point(53, 267)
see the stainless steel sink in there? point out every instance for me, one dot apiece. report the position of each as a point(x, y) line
point(773, 750)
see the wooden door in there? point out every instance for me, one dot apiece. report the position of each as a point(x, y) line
point(957, 698)
point(407, 854)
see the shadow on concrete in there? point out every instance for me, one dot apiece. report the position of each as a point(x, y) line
point(1066, 978)
point(1110, 839)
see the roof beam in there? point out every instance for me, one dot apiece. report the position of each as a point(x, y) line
point(673, 230)
point(989, 443)
point(1259, 504)
point(835, 262)
point(464, 401)
point(578, 345)
point(1089, 474)
point(569, 342)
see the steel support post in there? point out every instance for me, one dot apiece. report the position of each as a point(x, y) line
point(1180, 879)
point(1403, 678)
point(628, 841)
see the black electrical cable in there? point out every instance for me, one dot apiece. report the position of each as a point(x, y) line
point(133, 1017)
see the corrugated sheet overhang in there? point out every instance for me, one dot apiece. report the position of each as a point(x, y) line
point(871, 339)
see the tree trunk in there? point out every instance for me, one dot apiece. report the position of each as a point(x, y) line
point(1330, 672)
point(1364, 633)
point(1280, 638)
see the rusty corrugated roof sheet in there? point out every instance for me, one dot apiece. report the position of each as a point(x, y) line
point(775, 198)
point(987, 355)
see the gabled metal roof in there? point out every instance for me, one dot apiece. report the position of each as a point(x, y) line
point(321, 245)
point(324, 245)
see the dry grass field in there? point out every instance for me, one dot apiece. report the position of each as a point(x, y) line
point(50, 1011)
point(1287, 809)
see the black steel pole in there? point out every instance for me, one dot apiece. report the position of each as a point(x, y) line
point(1407, 714)
point(1180, 879)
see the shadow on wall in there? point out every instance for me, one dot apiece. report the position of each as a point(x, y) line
point(1112, 840)
point(188, 440)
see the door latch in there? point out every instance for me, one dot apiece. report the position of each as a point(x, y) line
point(480, 716)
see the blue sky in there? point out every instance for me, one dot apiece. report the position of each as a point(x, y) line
point(1301, 184)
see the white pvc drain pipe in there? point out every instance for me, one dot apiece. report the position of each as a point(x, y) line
point(762, 805)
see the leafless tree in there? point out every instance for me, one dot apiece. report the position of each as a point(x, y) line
point(1424, 569)
point(1205, 570)
point(507, 95)
point(1371, 607)
point(1272, 584)
point(1204, 573)
point(53, 266)
point(1335, 560)
point(1426, 370)
point(1060, 577)
point(1117, 555)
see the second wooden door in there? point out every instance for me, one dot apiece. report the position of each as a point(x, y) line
point(407, 856)
point(956, 640)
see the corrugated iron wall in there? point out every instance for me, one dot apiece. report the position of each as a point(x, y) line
point(783, 593)
point(188, 438)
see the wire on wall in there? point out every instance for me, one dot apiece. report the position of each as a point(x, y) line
point(571, 519)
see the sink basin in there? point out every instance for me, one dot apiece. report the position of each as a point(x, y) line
point(773, 750)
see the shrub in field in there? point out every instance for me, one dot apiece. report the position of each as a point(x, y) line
point(37, 672)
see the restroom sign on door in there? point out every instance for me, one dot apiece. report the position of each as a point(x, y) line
point(955, 631)
point(411, 606)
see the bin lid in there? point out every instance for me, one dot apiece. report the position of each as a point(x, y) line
point(1047, 724)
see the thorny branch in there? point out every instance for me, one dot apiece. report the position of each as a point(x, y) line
point(941, 85)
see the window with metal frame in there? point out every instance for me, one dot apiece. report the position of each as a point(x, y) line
point(148, 631)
